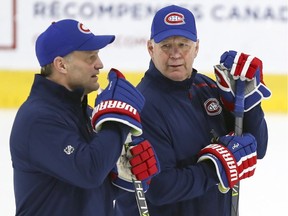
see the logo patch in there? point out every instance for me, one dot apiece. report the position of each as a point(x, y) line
point(83, 29)
point(174, 18)
point(212, 107)
point(69, 149)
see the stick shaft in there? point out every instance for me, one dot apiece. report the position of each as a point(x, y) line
point(140, 198)
point(239, 114)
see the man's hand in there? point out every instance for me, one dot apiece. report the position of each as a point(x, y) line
point(234, 158)
point(234, 66)
point(121, 102)
point(138, 161)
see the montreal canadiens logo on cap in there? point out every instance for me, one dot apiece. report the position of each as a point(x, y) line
point(83, 28)
point(212, 107)
point(174, 18)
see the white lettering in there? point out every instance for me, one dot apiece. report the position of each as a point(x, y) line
point(121, 105)
point(115, 104)
point(233, 174)
point(227, 156)
point(102, 105)
point(221, 150)
point(111, 104)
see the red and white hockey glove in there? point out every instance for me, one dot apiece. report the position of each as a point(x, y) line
point(120, 101)
point(234, 66)
point(234, 158)
point(138, 161)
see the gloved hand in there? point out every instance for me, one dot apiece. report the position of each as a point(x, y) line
point(120, 101)
point(247, 68)
point(234, 158)
point(138, 161)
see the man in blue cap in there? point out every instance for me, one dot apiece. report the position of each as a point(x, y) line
point(198, 171)
point(61, 158)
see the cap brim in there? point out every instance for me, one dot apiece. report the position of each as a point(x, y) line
point(174, 32)
point(97, 42)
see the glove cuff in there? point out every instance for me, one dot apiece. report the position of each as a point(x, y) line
point(123, 184)
point(265, 91)
point(136, 127)
point(222, 159)
point(126, 184)
point(256, 96)
point(115, 106)
point(113, 110)
point(223, 189)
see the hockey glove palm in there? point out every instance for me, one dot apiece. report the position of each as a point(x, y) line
point(234, 158)
point(138, 161)
point(120, 101)
point(247, 68)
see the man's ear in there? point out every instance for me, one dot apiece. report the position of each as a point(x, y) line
point(59, 64)
point(150, 47)
point(196, 48)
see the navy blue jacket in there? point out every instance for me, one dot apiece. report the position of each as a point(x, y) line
point(177, 120)
point(60, 165)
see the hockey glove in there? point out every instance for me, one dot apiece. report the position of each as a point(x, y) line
point(120, 101)
point(138, 161)
point(234, 158)
point(234, 66)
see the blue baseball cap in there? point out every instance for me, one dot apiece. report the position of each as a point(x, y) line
point(66, 36)
point(173, 21)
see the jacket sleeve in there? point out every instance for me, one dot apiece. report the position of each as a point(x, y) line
point(174, 183)
point(59, 150)
point(255, 123)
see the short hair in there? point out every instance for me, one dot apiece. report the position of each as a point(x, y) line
point(46, 70)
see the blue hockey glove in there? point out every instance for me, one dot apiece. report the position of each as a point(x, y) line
point(235, 66)
point(234, 157)
point(120, 101)
point(138, 161)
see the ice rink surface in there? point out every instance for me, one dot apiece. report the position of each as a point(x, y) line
point(265, 194)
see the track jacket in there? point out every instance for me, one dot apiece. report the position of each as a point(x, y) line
point(177, 119)
point(60, 165)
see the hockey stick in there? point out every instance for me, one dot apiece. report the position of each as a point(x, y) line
point(239, 114)
point(140, 198)
point(139, 192)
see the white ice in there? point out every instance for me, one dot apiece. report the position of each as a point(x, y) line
point(263, 195)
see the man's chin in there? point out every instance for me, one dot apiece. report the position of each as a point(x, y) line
point(177, 76)
point(92, 89)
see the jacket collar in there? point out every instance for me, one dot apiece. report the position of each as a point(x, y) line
point(49, 90)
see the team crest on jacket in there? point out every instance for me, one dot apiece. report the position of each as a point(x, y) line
point(212, 107)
